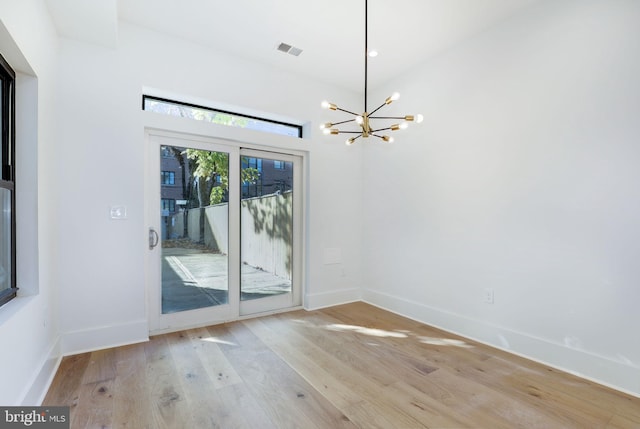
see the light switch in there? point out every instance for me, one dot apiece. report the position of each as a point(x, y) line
point(118, 212)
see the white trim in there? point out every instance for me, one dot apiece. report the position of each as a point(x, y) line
point(271, 312)
point(220, 322)
point(599, 369)
point(38, 387)
point(104, 337)
point(158, 124)
point(317, 301)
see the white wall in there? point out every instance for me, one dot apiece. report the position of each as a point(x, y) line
point(28, 331)
point(524, 179)
point(101, 144)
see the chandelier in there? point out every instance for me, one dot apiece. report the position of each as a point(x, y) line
point(364, 120)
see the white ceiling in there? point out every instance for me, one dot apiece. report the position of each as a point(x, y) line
point(330, 32)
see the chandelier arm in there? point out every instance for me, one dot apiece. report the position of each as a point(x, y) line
point(350, 141)
point(380, 129)
point(342, 122)
point(386, 117)
point(349, 132)
point(347, 111)
point(378, 108)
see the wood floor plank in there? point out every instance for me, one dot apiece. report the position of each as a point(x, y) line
point(498, 370)
point(425, 409)
point(168, 407)
point(340, 384)
point(218, 367)
point(299, 339)
point(95, 406)
point(205, 406)
point(102, 366)
point(374, 359)
point(369, 416)
point(292, 401)
point(412, 370)
point(348, 366)
point(95, 396)
point(486, 406)
point(248, 360)
point(553, 399)
point(237, 398)
point(67, 381)
point(345, 346)
point(311, 369)
point(620, 422)
point(132, 404)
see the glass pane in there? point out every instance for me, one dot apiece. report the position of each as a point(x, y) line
point(5, 239)
point(194, 237)
point(221, 118)
point(266, 236)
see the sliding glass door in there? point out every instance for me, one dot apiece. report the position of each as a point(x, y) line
point(225, 231)
point(269, 210)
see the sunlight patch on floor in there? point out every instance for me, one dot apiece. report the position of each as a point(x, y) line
point(366, 331)
point(396, 333)
point(444, 342)
point(218, 341)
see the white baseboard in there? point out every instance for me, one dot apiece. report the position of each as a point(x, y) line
point(43, 377)
point(327, 299)
point(617, 375)
point(88, 340)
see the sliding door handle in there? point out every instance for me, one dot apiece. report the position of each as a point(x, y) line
point(154, 239)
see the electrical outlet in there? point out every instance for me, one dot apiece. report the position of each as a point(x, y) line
point(488, 296)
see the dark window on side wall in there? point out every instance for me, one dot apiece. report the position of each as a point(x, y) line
point(8, 287)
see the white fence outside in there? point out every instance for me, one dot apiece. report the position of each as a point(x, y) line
point(266, 231)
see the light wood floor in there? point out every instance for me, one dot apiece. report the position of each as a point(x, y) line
point(352, 366)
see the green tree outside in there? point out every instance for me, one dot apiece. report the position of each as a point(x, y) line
point(212, 165)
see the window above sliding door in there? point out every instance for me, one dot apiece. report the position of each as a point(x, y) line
point(217, 116)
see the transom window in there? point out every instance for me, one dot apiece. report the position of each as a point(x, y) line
point(222, 117)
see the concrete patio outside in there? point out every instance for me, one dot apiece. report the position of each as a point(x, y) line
point(197, 278)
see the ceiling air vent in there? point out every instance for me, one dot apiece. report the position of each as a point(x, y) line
point(288, 49)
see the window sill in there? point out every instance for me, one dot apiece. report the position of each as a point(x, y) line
point(15, 306)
